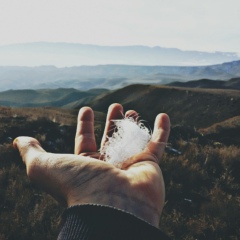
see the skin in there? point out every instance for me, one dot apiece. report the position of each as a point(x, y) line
point(81, 178)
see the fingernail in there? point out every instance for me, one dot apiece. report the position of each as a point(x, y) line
point(15, 143)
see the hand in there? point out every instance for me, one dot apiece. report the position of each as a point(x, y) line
point(81, 178)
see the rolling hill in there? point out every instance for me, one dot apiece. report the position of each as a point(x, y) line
point(233, 83)
point(199, 103)
point(47, 97)
point(109, 76)
point(198, 108)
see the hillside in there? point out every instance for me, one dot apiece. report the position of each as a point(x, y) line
point(227, 132)
point(199, 108)
point(47, 97)
point(233, 83)
point(109, 76)
point(201, 177)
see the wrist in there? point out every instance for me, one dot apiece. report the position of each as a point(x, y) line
point(134, 206)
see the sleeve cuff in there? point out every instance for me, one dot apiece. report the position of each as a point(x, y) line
point(96, 222)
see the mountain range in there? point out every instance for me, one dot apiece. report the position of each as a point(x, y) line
point(109, 76)
point(74, 54)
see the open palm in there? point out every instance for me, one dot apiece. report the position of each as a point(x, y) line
point(81, 178)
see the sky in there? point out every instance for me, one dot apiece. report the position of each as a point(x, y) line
point(206, 25)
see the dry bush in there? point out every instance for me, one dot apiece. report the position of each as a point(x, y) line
point(18, 206)
point(202, 184)
point(26, 212)
point(202, 192)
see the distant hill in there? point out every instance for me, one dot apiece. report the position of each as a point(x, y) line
point(109, 76)
point(233, 83)
point(198, 108)
point(47, 97)
point(73, 54)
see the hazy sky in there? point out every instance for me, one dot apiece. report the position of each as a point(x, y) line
point(206, 25)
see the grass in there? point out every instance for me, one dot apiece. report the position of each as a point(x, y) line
point(203, 193)
point(202, 184)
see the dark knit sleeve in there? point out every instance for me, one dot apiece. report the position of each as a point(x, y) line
point(95, 222)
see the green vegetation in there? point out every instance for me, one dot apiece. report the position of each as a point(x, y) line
point(202, 182)
point(61, 97)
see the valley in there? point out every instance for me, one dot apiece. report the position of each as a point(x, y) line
point(111, 76)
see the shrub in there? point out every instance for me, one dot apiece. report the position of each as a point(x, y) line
point(202, 184)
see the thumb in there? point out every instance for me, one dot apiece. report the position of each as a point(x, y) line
point(39, 165)
point(29, 149)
